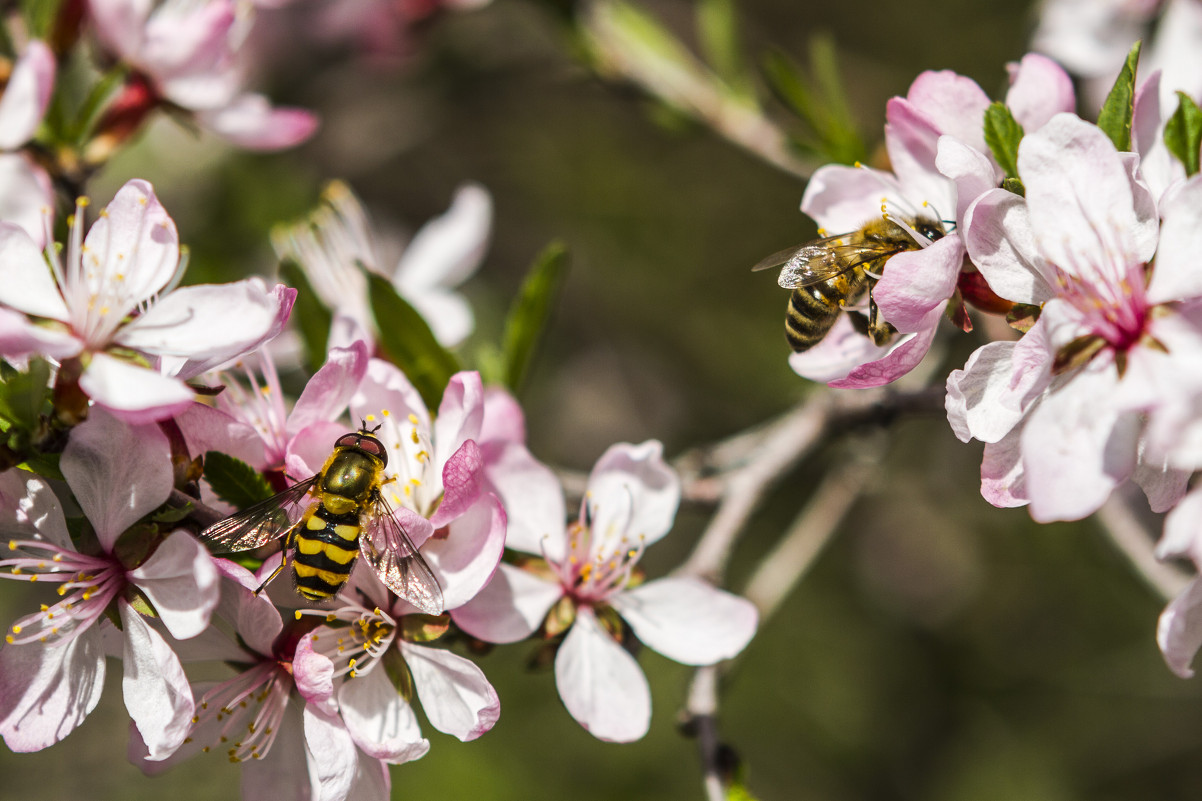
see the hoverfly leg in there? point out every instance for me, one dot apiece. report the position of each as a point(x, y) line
point(289, 542)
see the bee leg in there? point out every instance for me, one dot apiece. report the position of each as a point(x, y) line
point(878, 327)
point(289, 541)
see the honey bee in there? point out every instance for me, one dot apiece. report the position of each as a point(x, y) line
point(834, 272)
point(331, 518)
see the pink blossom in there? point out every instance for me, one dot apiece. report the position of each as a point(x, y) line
point(434, 471)
point(588, 576)
point(1180, 631)
point(353, 664)
point(26, 195)
point(287, 749)
point(936, 144)
point(52, 668)
point(338, 243)
point(188, 54)
point(116, 292)
point(1065, 413)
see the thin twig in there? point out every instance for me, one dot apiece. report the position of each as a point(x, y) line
point(1133, 540)
point(205, 516)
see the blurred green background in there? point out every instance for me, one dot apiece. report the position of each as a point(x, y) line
point(940, 649)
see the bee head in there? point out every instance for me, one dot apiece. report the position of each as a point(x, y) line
point(364, 442)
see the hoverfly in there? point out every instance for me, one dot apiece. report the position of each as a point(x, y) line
point(345, 515)
point(829, 274)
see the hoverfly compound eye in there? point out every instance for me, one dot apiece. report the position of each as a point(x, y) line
point(348, 441)
point(374, 447)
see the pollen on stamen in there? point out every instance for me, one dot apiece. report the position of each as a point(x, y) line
point(415, 438)
point(371, 418)
point(385, 413)
point(12, 545)
point(331, 617)
point(298, 614)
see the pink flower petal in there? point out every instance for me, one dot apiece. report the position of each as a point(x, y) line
point(29, 509)
point(912, 139)
point(901, 358)
point(284, 771)
point(329, 391)
point(250, 121)
point(157, 695)
point(26, 95)
point(532, 497)
point(214, 322)
point(46, 691)
point(120, 24)
point(279, 301)
point(1183, 530)
point(309, 449)
point(1077, 448)
point(207, 429)
point(386, 387)
point(134, 238)
point(1177, 276)
point(381, 722)
point(504, 420)
point(954, 104)
point(1179, 632)
point(840, 351)
point(1001, 243)
point(510, 608)
point(333, 758)
point(917, 281)
point(455, 695)
point(25, 283)
point(114, 490)
point(21, 337)
point(687, 620)
point(601, 685)
point(972, 173)
point(633, 493)
point(181, 581)
point(188, 50)
point(449, 248)
point(1003, 479)
point(462, 482)
point(460, 415)
point(841, 199)
point(467, 557)
point(1039, 89)
point(1076, 186)
point(314, 674)
point(1163, 485)
point(135, 394)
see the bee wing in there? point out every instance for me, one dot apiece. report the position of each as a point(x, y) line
point(821, 259)
point(390, 552)
point(261, 523)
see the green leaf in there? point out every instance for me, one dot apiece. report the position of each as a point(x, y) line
point(45, 465)
point(1002, 134)
point(718, 34)
point(308, 314)
point(409, 342)
point(530, 311)
point(234, 481)
point(1115, 117)
point(40, 16)
point(819, 103)
point(23, 395)
point(1183, 133)
point(1014, 185)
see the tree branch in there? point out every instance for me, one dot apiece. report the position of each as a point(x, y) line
point(1135, 542)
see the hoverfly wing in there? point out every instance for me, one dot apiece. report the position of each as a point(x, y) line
point(261, 523)
point(390, 552)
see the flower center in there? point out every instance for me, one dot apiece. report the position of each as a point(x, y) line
point(87, 583)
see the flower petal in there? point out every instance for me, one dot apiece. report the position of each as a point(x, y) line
point(1177, 276)
point(840, 351)
point(135, 239)
point(382, 723)
point(26, 283)
point(460, 415)
point(331, 754)
point(314, 673)
point(954, 104)
point(455, 695)
point(902, 357)
point(29, 509)
point(181, 581)
point(510, 608)
point(216, 322)
point(601, 685)
point(462, 482)
point(250, 121)
point(284, 772)
point(466, 558)
point(687, 620)
point(26, 196)
point(157, 695)
point(26, 95)
point(449, 248)
point(841, 199)
point(1003, 479)
point(1039, 89)
point(329, 391)
point(633, 494)
point(114, 490)
point(135, 394)
point(1179, 632)
point(917, 281)
point(1001, 243)
point(532, 497)
point(46, 691)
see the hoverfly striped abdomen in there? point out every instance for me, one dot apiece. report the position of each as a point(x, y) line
point(326, 547)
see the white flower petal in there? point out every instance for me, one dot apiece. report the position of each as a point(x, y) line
point(1177, 276)
point(114, 490)
point(532, 497)
point(46, 691)
point(466, 558)
point(26, 95)
point(1179, 632)
point(181, 581)
point(135, 394)
point(601, 685)
point(26, 283)
point(382, 723)
point(455, 695)
point(633, 494)
point(284, 772)
point(26, 196)
point(132, 250)
point(331, 753)
point(449, 248)
point(156, 690)
point(510, 608)
point(687, 620)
